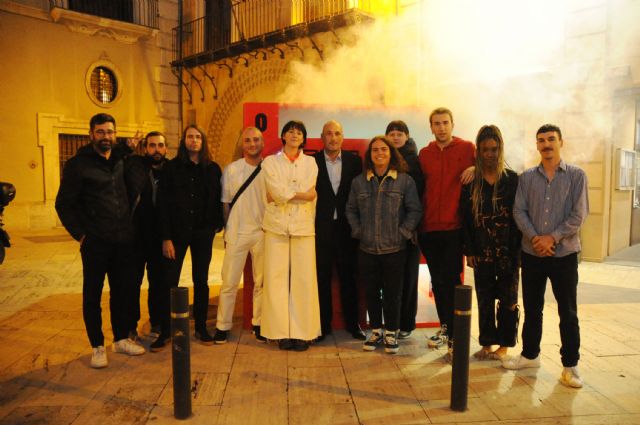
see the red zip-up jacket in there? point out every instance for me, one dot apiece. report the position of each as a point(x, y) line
point(442, 169)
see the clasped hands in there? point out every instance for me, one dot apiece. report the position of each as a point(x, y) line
point(544, 245)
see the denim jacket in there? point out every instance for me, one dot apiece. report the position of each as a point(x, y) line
point(383, 216)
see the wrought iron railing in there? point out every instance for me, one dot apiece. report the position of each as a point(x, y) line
point(240, 20)
point(140, 12)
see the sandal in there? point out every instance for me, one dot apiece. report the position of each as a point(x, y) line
point(482, 354)
point(495, 356)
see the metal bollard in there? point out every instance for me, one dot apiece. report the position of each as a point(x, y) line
point(180, 353)
point(461, 335)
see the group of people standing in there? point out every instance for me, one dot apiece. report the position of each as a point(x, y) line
point(301, 216)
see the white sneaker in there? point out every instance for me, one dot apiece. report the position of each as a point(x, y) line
point(520, 362)
point(126, 346)
point(571, 378)
point(99, 357)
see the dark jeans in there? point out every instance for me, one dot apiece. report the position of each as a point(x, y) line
point(337, 247)
point(383, 276)
point(563, 274)
point(201, 245)
point(147, 252)
point(443, 251)
point(492, 284)
point(409, 303)
point(100, 258)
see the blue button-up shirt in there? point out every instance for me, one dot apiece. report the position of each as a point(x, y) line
point(557, 207)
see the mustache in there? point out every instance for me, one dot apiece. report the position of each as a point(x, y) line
point(547, 150)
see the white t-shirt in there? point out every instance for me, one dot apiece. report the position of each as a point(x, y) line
point(247, 213)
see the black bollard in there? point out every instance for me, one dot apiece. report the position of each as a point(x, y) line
point(180, 353)
point(461, 335)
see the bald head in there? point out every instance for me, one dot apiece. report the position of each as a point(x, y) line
point(332, 138)
point(252, 143)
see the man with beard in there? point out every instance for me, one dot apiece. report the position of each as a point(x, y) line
point(244, 197)
point(92, 205)
point(142, 174)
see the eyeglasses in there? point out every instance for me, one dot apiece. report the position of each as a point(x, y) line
point(103, 133)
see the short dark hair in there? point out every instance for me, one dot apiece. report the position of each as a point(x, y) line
point(396, 163)
point(153, 134)
point(298, 125)
point(101, 118)
point(549, 127)
point(203, 156)
point(440, 111)
point(397, 125)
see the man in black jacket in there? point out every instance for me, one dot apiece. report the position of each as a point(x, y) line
point(142, 174)
point(334, 245)
point(190, 216)
point(93, 206)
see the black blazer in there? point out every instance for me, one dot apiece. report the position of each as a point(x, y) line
point(328, 201)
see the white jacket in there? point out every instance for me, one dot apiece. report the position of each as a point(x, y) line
point(284, 178)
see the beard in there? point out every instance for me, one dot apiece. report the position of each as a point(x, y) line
point(103, 145)
point(156, 158)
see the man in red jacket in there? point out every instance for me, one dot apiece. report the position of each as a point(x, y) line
point(443, 162)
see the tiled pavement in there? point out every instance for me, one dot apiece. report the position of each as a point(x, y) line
point(45, 375)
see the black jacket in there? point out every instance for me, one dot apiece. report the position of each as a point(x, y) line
point(92, 199)
point(410, 154)
point(496, 239)
point(175, 201)
point(142, 182)
point(328, 201)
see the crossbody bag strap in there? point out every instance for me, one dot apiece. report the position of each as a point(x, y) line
point(245, 185)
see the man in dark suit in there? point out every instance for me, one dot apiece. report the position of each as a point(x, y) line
point(334, 245)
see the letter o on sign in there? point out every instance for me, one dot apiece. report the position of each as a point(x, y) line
point(261, 121)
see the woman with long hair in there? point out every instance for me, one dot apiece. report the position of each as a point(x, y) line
point(383, 211)
point(492, 243)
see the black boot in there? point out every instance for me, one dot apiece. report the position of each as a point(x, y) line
point(508, 321)
point(160, 342)
point(203, 336)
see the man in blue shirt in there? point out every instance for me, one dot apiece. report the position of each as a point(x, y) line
point(551, 204)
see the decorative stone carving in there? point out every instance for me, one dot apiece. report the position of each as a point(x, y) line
point(123, 32)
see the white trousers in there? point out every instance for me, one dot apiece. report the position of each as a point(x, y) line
point(235, 257)
point(290, 306)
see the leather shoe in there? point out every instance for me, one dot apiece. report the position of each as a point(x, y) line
point(300, 345)
point(285, 344)
point(359, 334)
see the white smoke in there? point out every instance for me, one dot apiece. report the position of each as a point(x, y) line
point(496, 61)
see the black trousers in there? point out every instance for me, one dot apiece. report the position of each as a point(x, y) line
point(409, 305)
point(493, 284)
point(201, 246)
point(383, 276)
point(147, 252)
point(100, 258)
point(563, 274)
point(443, 251)
point(334, 246)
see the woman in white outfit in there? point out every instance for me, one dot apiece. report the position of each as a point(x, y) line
point(290, 309)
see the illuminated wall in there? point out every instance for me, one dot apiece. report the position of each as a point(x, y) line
point(44, 92)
